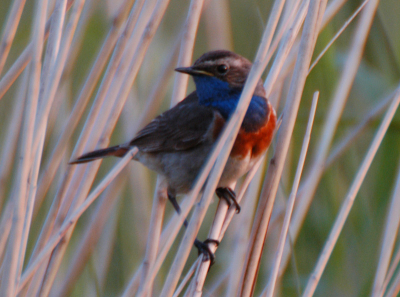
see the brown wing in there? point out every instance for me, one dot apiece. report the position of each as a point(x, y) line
point(179, 128)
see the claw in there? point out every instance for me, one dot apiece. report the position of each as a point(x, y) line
point(204, 249)
point(230, 197)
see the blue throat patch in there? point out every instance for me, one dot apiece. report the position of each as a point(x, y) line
point(219, 95)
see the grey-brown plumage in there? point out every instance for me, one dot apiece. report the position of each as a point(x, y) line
point(177, 143)
point(165, 133)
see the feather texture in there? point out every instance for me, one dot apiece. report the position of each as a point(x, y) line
point(180, 128)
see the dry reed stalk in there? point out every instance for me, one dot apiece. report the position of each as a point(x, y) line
point(54, 63)
point(219, 35)
point(331, 10)
point(54, 161)
point(68, 182)
point(185, 280)
point(9, 30)
point(106, 247)
point(115, 65)
point(389, 239)
point(350, 197)
point(242, 235)
point(58, 115)
point(244, 188)
point(346, 142)
point(11, 139)
point(332, 119)
point(394, 289)
point(160, 88)
point(214, 233)
point(286, 22)
point(86, 15)
point(156, 219)
point(264, 209)
point(11, 276)
point(186, 49)
point(139, 183)
point(222, 219)
point(270, 288)
point(392, 269)
point(188, 290)
point(219, 227)
point(167, 237)
point(231, 128)
point(53, 46)
point(91, 235)
point(15, 70)
point(286, 46)
point(111, 69)
point(173, 227)
point(218, 24)
point(340, 148)
point(29, 205)
point(141, 190)
point(132, 285)
point(22, 61)
point(338, 33)
point(171, 230)
point(126, 86)
point(179, 91)
point(185, 209)
point(112, 80)
point(5, 227)
point(89, 87)
point(287, 12)
point(109, 124)
point(223, 208)
point(215, 288)
point(75, 215)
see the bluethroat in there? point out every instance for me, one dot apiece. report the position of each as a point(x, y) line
point(177, 143)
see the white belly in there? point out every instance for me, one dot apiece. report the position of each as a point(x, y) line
point(234, 169)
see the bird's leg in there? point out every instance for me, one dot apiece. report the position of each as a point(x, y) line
point(230, 197)
point(176, 206)
point(202, 246)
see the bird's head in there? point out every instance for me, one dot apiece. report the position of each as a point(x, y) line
point(221, 71)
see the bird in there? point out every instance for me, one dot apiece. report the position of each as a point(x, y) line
point(177, 143)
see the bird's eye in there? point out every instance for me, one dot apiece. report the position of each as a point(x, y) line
point(222, 69)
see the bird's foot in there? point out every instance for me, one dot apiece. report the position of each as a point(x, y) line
point(203, 248)
point(230, 197)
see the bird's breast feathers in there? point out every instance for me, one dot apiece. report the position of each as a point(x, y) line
point(190, 125)
point(253, 143)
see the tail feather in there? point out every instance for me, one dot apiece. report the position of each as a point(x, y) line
point(117, 151)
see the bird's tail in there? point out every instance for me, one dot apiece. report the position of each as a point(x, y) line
point(117, 151)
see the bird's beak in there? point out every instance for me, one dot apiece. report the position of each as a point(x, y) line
point(192, 71)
